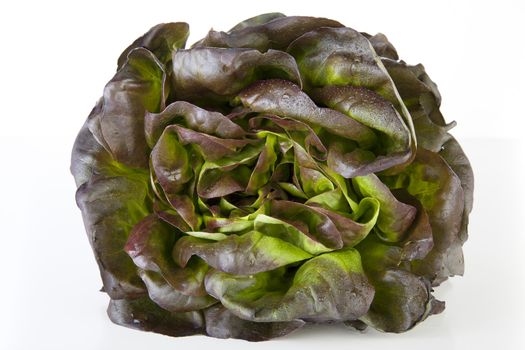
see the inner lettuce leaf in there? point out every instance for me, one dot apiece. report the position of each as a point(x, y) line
point(394, 216)
point(245, 254)
point(291, 170)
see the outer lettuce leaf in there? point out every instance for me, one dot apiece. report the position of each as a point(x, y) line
point(222, 323)
point(439, 190)
point(215, 74)
point(275, 33)
point(382, 46)
point(459, 163)
point(112, 196)
point(422, 99)
point(145, 315)
point(257, 20)
point(371, 109)
point(417, 91)
point(161, 40)
point(89, 158)
point(138, 86)
point(419, 71)
point(169, 298)
point(374, 111)
point(402, 299)
point(110, 207)
point(331, 286)
point(342, 56)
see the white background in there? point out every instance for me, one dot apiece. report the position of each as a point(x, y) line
point(55, 59)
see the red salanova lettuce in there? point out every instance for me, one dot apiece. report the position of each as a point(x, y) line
point(290, 170)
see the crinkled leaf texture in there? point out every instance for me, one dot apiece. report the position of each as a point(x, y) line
point(289, 170)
